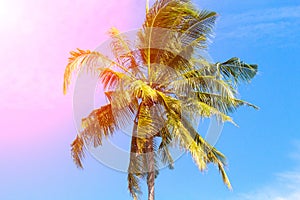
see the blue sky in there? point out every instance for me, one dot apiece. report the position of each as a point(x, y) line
point(263, 153)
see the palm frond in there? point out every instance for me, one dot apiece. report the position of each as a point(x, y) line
point(200, 29)
point(78, 59)
point(179, 128)
point(163, 149)
point(91, 60)
point(124, 107)
point(123, 51)
point(214, 156)
point(222, 103)
point(205, 110)
point(77, 151)
point(236, 70)
point(210, 153)
point(111, 78)
point(201, 151)
point(175, 26)
point(194, 82)
point(134, 185)
point(165, 155)
point(142, 90)
point(101, 122)
point(120, 45)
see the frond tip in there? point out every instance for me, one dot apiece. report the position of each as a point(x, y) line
point(90, 60)
point(74, 61)
point(78, 151)
point(237, 70)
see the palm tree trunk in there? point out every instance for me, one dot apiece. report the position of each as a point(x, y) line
point(151, 168)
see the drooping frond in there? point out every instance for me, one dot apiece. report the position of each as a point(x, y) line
point(124, 105)
point(136, 165)
point(184, 139)
point(163, 149)
point(133, 185)
point(214, 156)
point(99, 123)
point(145, 128)
point(111, 78)
point(77, 151)
point(165, 155)
point(201, 151)
point(150, 121)
point(180, 129)
point(236, 70)
point(91, 60)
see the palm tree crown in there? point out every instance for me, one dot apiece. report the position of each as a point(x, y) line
point(161, 86)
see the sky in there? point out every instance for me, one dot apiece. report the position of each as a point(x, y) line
point(37, 119)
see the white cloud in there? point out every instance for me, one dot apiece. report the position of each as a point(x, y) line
point(271, 14)
point(277, 25)
point(284, 187)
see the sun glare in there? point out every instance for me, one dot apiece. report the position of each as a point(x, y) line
point(10, 13)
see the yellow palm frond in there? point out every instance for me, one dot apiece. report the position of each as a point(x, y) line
point(77, 150)
point(214, 156)
point(144, 91)
point(99, 123)
point(160, 83)
point(188, 138)
point(91, 60)
point(221, 103)
point(211, 84)
point(204, 110)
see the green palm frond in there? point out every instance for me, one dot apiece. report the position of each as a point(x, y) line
point(211, 84)
point(199, 29)
point(184, 139)
point(222, 103)
point(180, 131)
point(236, 70)
point(214, 156)
point(202, 109)
point(210, 153)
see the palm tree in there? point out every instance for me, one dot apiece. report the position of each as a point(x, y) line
point(161, 86)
